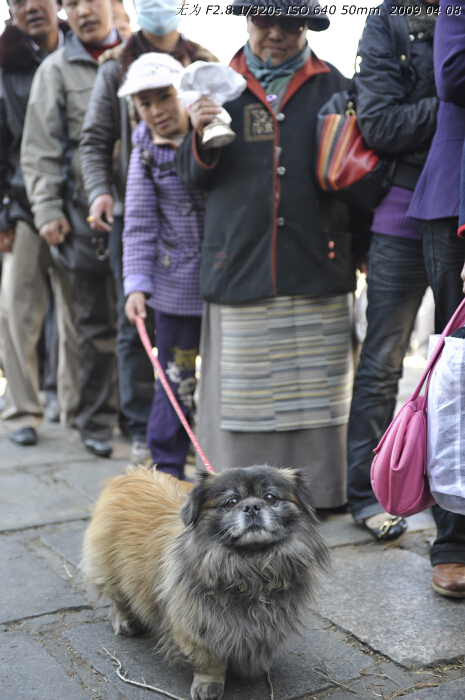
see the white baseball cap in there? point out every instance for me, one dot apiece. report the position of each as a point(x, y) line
point(149, 71)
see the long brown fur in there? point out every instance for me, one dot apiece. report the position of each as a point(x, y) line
point(224, 570)
point(134, 523)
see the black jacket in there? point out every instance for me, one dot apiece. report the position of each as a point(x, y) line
point(396, 94)
point(267, 225)
point(18, 64)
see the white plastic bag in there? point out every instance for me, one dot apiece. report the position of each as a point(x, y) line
point(216, 80)
point(445, 454)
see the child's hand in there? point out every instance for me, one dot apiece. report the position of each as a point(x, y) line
point(203, 112)
point(135, 306)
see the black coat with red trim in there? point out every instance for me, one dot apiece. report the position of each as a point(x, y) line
point(269, 230)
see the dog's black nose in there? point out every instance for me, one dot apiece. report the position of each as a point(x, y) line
point(251, 506)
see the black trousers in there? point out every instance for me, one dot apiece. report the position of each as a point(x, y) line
point(95, 317)
point(135, 371)
point(444, 254)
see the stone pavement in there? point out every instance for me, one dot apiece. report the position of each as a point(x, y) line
point(378, 630)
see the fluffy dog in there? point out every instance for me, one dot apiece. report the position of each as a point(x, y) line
point(224, 571)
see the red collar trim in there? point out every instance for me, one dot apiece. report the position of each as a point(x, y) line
point(312, 67)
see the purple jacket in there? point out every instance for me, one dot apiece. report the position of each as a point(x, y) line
point(163, 227)
point(437, 193)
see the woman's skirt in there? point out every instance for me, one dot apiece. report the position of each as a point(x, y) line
point(275, 388)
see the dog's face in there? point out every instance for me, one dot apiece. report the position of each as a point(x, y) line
point(251, 508)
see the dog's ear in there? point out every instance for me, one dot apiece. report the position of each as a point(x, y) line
point(301, 491)
point(197, 497)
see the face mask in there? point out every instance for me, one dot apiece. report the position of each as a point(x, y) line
point(158, 17)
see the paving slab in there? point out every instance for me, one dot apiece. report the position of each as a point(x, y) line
point(28, 587)
point(89, 478)
point(421, 521)
point(31, 500)
point(28, 672)
point(306, 665)
point(56, 444)
point(340, 530)
point(383, 597)
point(454, 690)
point(66, 541)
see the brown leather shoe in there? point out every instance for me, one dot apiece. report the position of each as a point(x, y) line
point(449, 580)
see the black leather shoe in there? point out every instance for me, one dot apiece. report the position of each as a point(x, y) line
point(390, 529)
point(23, 436)
point(100, 448)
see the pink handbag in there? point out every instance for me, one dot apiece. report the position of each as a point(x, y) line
point(398, 471)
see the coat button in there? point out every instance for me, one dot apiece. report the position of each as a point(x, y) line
point(281, 170)
point(280, 221)
point(280, 117)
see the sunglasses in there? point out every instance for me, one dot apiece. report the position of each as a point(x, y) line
point(288, 24)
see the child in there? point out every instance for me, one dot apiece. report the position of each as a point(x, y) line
point(163, 224)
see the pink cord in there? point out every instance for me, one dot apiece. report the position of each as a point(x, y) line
point(144, 336)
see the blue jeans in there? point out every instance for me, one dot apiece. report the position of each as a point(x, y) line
point(399, 271)
point(397, 281)
point(135, 371)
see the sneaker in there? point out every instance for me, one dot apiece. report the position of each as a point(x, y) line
point(140, 453)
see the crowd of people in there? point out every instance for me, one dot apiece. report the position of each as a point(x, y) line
point(113, 207)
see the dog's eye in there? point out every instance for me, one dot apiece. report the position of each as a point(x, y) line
point(270, 499)
point(232, 502)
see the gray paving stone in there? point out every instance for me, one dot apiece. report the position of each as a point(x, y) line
point(56, 445)
point(28, 587)
point(30, 500)
point(421, 521)
point(340, 530)
point(66, 541)
point(454, 690)
point(304, 666)
point(27, 672)
point(89, 478)
point(383, 597)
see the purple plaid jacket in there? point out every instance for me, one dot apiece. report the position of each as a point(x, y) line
point(163, 227)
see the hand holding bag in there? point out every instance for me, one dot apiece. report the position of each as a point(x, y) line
point(83, 250)
point(398, 471)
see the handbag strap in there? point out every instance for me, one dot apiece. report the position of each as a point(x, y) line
point(457, 320)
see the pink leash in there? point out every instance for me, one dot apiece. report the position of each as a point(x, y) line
point(144, 336)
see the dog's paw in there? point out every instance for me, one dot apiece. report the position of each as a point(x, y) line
point(207, 687)
point(207, 691)
point(123, 624)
